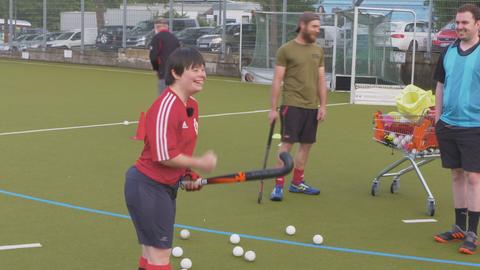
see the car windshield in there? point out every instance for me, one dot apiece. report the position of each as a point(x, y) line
point(20, 38)
point(232, 29)
point(388, 27)
point(53, 36)
point(207, 30)
point(395, 27)
point(217, 30)
point(39, 37)
point(185, 32)
point(65, 36)
point(142, 27)
point(30, 37)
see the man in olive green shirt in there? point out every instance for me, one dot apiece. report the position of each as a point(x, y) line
point(300, 66)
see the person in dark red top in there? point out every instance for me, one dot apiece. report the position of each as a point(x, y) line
point(171, 133)
point(161, 46)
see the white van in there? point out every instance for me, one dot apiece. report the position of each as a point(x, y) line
point(73, 38)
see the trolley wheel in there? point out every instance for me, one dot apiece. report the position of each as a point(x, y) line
point(374, 189)
point(431, 207)
point(395, 186)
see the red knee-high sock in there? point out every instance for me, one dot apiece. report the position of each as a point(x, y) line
point(297, 176)
point(279, 181)
point(142, 263)
point(159, 267)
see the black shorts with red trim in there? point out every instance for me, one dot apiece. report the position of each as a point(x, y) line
point(299, 125)
point(152, 207)
point(459, 146)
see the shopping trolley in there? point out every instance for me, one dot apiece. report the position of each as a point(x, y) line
point(415, 137)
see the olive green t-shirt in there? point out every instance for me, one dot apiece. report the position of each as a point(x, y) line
point(300, 82)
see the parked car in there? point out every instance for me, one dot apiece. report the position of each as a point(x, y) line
point(70, 39)
point(181, 23)
point(141, 35)
point(38, 41)
point(445, 36)
point(399, 35)
point(344, 36)
point(213, 42)
point(189, 36)
point(110, 37)
point(249, 36)
point(20, 43)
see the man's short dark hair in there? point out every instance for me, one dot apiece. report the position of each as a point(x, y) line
point(470, 8)
point(181, 59)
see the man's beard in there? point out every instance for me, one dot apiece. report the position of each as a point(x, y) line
point(309, 38)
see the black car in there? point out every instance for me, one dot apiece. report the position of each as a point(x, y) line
point(142, 34)
point(213, 41)
point(109, 38)
point(249, 36)
point(188, 36)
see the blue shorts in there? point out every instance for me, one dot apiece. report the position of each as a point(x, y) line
point(152, 209)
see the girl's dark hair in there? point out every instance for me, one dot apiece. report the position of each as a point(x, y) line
point(181, 59)
point(470, 8)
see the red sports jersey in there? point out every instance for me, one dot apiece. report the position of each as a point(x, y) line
point(170, 131)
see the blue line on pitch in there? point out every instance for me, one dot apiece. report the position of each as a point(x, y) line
point(286, 242)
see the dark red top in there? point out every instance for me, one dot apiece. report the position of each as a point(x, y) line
point(171, 129)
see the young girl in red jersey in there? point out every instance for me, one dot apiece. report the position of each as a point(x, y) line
point(171, 132)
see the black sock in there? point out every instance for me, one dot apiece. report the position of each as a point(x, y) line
point(461, 218)
point(473, 221)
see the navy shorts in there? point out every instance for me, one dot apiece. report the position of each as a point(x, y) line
point(459, 147)
point(151, 206)
point(299, 125)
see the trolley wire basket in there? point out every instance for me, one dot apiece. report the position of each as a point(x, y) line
point(414, 136)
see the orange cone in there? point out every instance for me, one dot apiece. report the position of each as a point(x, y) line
point(140, 128)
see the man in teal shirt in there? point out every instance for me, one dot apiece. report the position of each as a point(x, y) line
point(458, 125)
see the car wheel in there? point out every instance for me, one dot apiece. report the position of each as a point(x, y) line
point(103, 39)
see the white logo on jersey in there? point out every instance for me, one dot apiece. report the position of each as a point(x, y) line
point(195, 124)
point(185, 125)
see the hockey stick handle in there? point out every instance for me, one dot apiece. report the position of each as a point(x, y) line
point(269, 143)
point(251, 175)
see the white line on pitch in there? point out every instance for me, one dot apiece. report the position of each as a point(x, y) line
point(35, 245)
point(419, 220)
point(62, 128)
point(135, 122)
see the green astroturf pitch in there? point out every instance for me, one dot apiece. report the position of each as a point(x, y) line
point(63, 188)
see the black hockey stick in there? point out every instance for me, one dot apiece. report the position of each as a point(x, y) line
point(265, 159)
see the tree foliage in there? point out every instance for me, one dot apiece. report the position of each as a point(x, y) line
point(292, 5)
point(444, 10)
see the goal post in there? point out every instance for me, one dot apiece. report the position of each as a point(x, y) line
point(376, 69)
